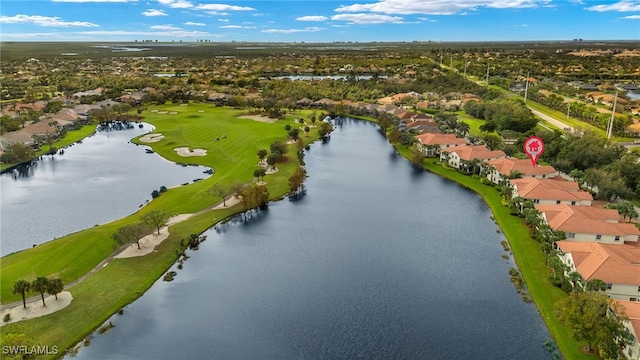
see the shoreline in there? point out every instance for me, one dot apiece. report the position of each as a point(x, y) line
point(210, 210)
point(148, 270)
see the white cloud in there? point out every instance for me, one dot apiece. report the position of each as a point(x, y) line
point(217, 13)
point(312, 18)
point(620, 6)
point(632, 17)
point(44, 21)
point(223, 20)
point(177, 4)
point(436, 7)
point(236, 27)
point(154, 12)
point(191, 23)
point(291, 31)
point(367, 18)
point(223, 7)
point(165, 27)
point(95, 1)
point(175, 33)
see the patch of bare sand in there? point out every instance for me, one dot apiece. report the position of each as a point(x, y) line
point(36, 309)
point(259, 118)
point(149, 242)
point(185, 151)
point(150, 138)
point(229, 203)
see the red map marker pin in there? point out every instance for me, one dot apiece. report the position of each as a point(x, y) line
point(533, 146)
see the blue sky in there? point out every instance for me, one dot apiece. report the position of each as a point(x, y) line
point(319, 21)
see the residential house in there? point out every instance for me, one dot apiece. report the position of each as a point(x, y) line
point(459, 156)
point(502, 169)
point(425, 126)
point(632, 311)
point(615, 264)
point(588, 223)
point(432, 143)
point(550, 191)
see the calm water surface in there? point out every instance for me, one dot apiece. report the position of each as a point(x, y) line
point(377, 261)
point(102, 179)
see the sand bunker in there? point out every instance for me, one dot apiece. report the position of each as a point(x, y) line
point(149, 242)
point(200, 110)
point(173, 113)
point(259, 118)
point(35, 309)
point(185, 151)
point(150, 138)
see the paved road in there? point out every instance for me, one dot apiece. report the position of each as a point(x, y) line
point(552, 121)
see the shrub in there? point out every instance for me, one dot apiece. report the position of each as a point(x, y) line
point(155, 194)
point(7, 318)
point(163, 188)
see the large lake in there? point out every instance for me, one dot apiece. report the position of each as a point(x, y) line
point(101, 180)
point(378, 260)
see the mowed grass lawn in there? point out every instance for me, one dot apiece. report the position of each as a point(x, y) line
point(233, 158)
point(123, 280)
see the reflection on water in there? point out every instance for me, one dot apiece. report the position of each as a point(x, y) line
point(375, 261)
point(99, 180)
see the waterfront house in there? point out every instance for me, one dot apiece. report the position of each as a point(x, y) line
point(432, 143)
point(615, 264)
point(588, 223)
point(503, 169)
point(460, 156)
point(632, 311)
point(550, 191)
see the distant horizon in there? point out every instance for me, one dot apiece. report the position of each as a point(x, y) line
point(572, 41)
point(286, 21)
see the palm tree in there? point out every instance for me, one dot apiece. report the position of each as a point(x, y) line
point(40, 284)
point(55, 286)
point(21, 287)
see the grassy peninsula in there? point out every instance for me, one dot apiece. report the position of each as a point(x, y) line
point(120, 281)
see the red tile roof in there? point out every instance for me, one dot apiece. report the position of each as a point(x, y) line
point(550, 189)
point(586, 220)
point(440, 139)
point(469, 152)
point(611, 263)
point(507, 165)
point(632, 311)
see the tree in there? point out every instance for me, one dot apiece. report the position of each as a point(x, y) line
point(221, 191)
point(55, 286)
point(131, 233)
point(22, 287)
point(256, 196)
point(287, 127)
point(272, 159)
point(297, 179)
point(278, 147)
point(595, 285)
point(306, 130)
point(293, 134)
point(493, 141)
point(262, 153)
point(236, 187)
point(325, 128)
point(585, 314)
point(156, 218)
point(417, 156)
point(17, 153)
point(40, 285)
